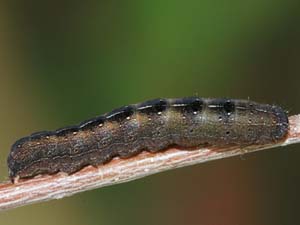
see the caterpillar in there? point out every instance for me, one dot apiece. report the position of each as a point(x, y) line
point(152, 126)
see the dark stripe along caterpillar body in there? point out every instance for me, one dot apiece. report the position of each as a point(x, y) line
point(152, 125)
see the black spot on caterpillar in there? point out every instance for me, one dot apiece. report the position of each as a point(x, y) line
point(153, 126)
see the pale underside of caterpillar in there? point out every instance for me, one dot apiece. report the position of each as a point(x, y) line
point(153, 126)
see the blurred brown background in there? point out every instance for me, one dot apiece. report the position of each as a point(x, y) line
point(62, 62)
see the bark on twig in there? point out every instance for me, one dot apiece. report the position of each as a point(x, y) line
point(60, 185)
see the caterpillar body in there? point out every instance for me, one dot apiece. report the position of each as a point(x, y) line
point(153, 126)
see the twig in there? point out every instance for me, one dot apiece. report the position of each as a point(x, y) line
point(60, 185)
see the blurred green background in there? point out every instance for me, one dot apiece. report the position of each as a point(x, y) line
point(62, 62)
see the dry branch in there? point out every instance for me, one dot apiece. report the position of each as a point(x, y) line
point(60, 185)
